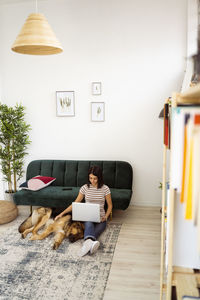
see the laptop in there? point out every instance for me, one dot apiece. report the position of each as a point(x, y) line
point(86, 212)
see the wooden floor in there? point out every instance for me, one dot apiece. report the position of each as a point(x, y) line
point(135, 269)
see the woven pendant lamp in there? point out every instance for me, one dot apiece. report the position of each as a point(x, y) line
point(36, 37)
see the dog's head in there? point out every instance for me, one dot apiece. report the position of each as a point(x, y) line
point(76, 231)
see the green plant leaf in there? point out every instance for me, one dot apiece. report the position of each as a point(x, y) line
point(14, 141)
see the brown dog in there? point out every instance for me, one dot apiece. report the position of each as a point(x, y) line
point(63, 227)
point(35, 221)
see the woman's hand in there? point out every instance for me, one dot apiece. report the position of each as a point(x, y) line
point(69, 208)
point(103, 219)
point(109, 209)
point(58, 217)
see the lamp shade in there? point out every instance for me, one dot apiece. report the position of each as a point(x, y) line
point(36, 37)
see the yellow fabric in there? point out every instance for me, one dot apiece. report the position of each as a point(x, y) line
point(184, 166)
point(188, 212)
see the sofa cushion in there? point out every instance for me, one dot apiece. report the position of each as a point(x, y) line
point(116, 174)
point(52, 196)
point(57, 196)
point(37, 183)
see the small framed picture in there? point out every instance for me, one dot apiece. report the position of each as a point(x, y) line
point(97, 111)
point(65, 104)
point(96, 88)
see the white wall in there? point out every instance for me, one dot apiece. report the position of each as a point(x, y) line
point(135, 48)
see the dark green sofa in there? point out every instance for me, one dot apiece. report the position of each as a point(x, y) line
point(118, 175)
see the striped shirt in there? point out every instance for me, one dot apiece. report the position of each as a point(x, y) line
point(95, 195)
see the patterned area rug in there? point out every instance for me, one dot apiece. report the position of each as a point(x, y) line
point(32, 270)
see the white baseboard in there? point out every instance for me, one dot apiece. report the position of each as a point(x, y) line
point(144, 203)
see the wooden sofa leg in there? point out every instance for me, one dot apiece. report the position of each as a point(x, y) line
point(31, 209)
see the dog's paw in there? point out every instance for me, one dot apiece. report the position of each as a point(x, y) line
point(23, 236)
point(55, 246)
point(34, 237)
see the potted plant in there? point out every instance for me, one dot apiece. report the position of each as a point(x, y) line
point(14, 140)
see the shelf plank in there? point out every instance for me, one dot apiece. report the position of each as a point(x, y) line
point(178, 269)
point(185, 285)
point(191, 96)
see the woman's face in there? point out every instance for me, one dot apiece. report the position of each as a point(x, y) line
point(93, 180)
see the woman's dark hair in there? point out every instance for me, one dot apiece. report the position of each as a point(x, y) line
point(96, 171)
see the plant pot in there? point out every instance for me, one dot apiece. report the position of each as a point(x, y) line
point(8, 196)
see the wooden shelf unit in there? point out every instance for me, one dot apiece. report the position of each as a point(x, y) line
point(186, 280)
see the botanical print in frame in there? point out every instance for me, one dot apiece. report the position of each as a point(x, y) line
point(98, 111)
point(96, 88)
point(65, 103)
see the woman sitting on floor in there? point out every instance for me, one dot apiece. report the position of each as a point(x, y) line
point(95, 191)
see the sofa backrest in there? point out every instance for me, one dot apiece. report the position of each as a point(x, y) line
point(116, 174)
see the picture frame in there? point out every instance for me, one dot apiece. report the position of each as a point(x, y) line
point(97, 111)
point(96, 88)
point(65, 104)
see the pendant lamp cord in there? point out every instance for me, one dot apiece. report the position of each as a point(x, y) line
point(36, 7)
